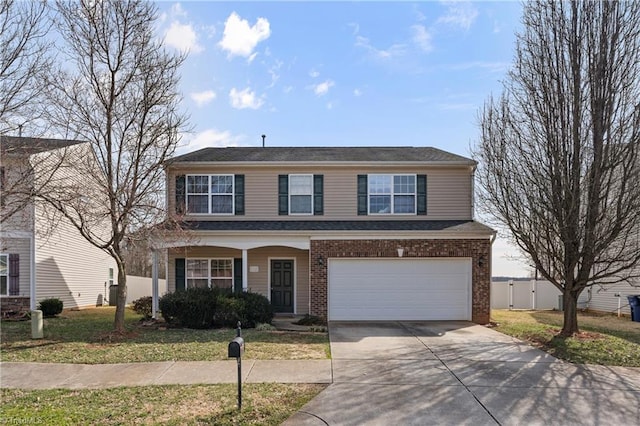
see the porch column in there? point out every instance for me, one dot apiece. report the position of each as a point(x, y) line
point(245, 271)
point(154, 285)
point(32, 272)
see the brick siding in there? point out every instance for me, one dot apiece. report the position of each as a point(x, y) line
point(14, 304)
point(473, 248)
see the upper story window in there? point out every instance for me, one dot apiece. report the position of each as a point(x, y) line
point(210, 194)
point(392, 194)
point(300, 194)
point(388, 194)
point(4, 274)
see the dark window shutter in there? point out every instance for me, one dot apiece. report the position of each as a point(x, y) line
point(237, 275)
point(14, 274)
point(181, 194)
point(421, 192)
point(318, 195)
point(283, 195)
point(180, 274)
point(362, 195)
point(239, 194)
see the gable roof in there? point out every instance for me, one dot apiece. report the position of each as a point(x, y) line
point(322, 154)
point(17, 145)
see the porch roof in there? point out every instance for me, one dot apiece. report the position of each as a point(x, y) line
point(461, 226)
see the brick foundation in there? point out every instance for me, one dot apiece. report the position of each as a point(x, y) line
point(470, 248)
point(14, 304)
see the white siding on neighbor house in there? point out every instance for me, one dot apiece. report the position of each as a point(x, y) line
point(603, 298)
point(70, 268)
point(523, 296)
point(20, 246)
point(449, 191)
point(258, 281)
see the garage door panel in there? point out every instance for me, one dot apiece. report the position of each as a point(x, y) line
point(399, 289)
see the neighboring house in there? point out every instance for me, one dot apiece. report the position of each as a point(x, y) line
point(39, 249)
point(608, 298)
point(365, 233)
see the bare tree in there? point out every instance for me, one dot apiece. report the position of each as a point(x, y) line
point(23, 60)
point(122, 97)
point(559, 150)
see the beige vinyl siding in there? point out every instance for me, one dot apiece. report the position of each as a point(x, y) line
point(448, 191)
point(17, 178)
point(71, 269)
point(20, 246)
point(258, 282)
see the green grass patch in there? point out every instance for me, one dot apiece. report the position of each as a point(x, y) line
point(603, 340)
point(85, 337)
point(263, 404)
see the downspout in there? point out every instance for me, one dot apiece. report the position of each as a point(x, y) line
point(32, 272)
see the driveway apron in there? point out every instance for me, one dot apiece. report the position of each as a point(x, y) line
point(457, 373)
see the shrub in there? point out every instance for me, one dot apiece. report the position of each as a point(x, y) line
point(206, 308)
point(258, 309)
point(191, 308)
point(311, 320)
point(50, 307)
point(229, 310)
point(142, 306)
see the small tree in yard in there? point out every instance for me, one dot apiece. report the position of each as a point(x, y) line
point(118, 90)
point(559, 151)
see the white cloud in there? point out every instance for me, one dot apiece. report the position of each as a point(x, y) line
point(240, 39)
point(355, 27)
point(392, 51)
point(203, 98)
point(287, 89)
point(322, 89)
point(357, 92)
point(212, 138)
point(314, 74)
point(182, 37)
point(422, 38)
point(459, 14)
point(177, 10)
point(246, 98)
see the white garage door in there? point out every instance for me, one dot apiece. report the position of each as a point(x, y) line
point(399, 289)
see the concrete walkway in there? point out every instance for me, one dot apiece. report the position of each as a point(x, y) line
point(27, 375)
point(458, 373)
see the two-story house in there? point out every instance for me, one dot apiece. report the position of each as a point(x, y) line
point(347, 233)
point(41, 254)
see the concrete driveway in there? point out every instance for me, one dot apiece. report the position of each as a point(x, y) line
point(456, 373)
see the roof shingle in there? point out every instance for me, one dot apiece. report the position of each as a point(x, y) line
point(321, 154)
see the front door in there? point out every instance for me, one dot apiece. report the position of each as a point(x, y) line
point(282, 285)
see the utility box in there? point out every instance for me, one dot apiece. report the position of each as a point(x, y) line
point(236, 348)
point(37, 328)
point(113, 295)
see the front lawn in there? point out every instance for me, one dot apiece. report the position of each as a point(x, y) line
point(84, 337)
point(262, 404)
point(604, 340)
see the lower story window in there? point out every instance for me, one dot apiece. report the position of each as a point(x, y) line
point(4, 274)
point(210, 273)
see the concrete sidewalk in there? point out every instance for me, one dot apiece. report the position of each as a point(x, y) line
point(27, 375)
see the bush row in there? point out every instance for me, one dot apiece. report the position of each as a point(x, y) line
point(213, 307)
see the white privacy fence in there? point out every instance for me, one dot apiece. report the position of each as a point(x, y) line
point(528, 294)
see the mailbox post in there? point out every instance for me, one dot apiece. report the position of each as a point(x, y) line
point(236, 349)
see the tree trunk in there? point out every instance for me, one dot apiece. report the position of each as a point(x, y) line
point(121, 300)
point(570, 305)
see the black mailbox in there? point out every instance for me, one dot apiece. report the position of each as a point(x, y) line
point(236, 348)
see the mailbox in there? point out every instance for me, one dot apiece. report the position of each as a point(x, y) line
point(236, 348)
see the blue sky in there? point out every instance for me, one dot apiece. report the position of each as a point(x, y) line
point(341, 74)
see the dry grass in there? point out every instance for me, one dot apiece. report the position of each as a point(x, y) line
point(85, 337)
point(604, 339)
point(263, 404)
